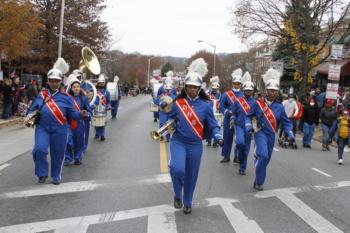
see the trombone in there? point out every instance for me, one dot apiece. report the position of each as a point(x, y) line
point(167, 128)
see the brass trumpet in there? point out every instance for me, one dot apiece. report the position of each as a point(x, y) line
point(167, 128)
point(31, 119)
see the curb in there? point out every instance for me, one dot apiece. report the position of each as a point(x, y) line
point(15, 121)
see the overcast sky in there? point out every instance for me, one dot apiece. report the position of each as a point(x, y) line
point(171, 27)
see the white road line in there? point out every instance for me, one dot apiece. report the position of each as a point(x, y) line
point(160, 219)
point(82, 186)
point(3, 166)
point(275, 149)
point(311, 217)
point(239, 222)
point(321, 172)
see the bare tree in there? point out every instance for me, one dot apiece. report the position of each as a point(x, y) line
point(307, 25)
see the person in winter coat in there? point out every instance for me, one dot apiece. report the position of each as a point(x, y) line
point(310, 120)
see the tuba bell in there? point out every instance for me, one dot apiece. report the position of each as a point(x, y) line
point(167, 128)
point(90, 63)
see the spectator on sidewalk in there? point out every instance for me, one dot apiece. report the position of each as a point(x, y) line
point(328, 115)
point(23, 106)
point(320, 97)
point(292, 110)
point(32, 90)
point(310, 120)
point(340, 131)
point(8, 98)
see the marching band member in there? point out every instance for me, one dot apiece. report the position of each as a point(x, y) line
point(239, 111)
point(163, 100)
point(51, 129)
point(215, 96)
point(227, 100)
point(76, 141)
point(194, 118)
point(86, 88)
point(269, 114)
point(118, 95)
point(103, 96)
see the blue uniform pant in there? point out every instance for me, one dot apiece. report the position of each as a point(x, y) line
point(156, 115)
point(87, 132)
point(228, 138)
point(325, 132)
point(115, 106)
point(163, 118)
point(55, 138)
point(308, 131)
point(341, 145)
point(184, 167)
point(263, 150)
point(100, 131)
point(243, 140)
point(76, 143)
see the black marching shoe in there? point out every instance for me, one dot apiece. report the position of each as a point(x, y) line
point(225, 160)
point(56, 182)
point(155, 120)
point(235, 160)
point(42, 179)
point(78, 163)
point(209, 144)
point(187, 210)
point(103, 138)
point(258, 187)
point(177, 203)
point(215, 145)
point(242, 173)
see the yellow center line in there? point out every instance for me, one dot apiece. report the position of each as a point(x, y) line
point(163, 157)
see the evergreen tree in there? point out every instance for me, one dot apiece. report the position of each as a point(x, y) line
point(167, 67)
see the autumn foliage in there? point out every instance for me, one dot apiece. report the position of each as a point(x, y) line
point(18, 24)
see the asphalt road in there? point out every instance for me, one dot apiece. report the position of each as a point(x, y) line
point(120, 188)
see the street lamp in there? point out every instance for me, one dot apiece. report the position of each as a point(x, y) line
point(214, 47)
point(61, 29)
point(148, 71)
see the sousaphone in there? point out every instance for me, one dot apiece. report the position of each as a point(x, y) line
point(90, 63)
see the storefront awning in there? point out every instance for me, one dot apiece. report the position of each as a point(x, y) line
point(324, 67)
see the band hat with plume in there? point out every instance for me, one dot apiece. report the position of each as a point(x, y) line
point(272, 79)
point(199, 66)
point(237, 75)
point(196, 71)
point(215, 82)
point(116, 79)
point(248, 85)
point(170, 73)
point(78, 73)
point(60, 68)
point(168, 83)
point(101, 78)
point(69, 80)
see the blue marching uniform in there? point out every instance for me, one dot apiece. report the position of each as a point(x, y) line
point(76, 138)
point(225, 104)
point(115, 103)
point(52, 132)
point(106, 101)
point(214, 96)
point(186, 148)
point(164, 116)
point(265, 137)
point(243, 138)
point(86, 88)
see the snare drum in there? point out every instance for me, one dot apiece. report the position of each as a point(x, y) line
point(153, 107)
point(98, 121)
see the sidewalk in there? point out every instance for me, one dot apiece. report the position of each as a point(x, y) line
point(11, 121)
